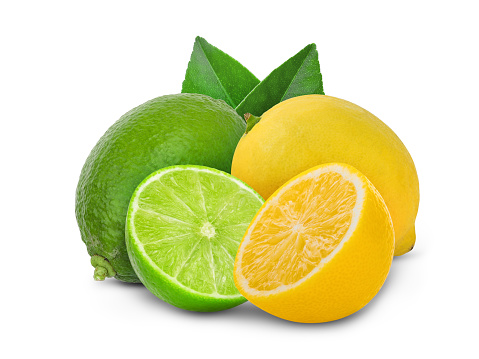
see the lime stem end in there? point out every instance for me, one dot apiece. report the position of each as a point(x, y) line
point(103, 268)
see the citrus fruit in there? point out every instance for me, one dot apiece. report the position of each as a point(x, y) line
point(319, 248)
point(310, 130)
point(184, 227)
point(168, 130)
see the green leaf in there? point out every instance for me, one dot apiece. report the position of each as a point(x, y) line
point(298, 76)
point(212, 72)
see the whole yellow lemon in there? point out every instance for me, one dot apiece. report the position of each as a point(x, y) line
point(306, 131)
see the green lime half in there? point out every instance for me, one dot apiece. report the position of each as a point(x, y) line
point(183, 230)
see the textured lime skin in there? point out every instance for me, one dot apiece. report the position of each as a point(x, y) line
point(165, 131)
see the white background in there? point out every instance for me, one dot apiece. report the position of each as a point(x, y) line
point(70, 69)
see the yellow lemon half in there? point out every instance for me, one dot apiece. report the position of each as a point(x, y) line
point(307, 131)
point(320, 247)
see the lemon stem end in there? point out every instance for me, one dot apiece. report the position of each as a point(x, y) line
point(251, 121)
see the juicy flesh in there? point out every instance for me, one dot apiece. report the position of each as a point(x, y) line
point(306, 223)
point(190, 224)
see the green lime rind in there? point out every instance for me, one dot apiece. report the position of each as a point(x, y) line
point(165, 131)
point(183, 229)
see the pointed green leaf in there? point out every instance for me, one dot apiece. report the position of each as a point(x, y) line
point(298, 76)
point(212, 72)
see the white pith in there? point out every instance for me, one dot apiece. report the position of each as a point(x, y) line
point(135, 206)
point(356, 213)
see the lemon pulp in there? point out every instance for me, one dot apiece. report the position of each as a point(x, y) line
point(309, 222)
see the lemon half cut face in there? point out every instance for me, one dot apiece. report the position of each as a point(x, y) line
point(320, 247)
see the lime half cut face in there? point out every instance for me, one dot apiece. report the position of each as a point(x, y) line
point(183, 230)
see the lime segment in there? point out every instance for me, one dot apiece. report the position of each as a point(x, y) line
point(184, 227)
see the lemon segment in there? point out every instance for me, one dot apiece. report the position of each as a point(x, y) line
point(319, 248)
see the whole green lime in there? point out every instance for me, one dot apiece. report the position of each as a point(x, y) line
point(169, 130)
